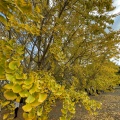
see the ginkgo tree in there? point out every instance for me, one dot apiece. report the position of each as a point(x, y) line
point(50, 50)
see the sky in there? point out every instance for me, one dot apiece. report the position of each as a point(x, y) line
point(116, 25)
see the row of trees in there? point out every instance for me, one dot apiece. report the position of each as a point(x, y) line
point(55, 49)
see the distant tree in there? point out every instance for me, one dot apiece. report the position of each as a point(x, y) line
point(118, 73)
point(102, 79)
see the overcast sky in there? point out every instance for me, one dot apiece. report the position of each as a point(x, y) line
point(116, 24)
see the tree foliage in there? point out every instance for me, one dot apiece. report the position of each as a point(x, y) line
point(53, 50)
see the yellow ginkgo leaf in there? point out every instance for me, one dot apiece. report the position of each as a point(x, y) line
point(39, 111)
point(5, 103)
point(64, 111)
point(27, 86)
point(18, 99)
point(63, 118)
point(10, 77)
point(29, 81)
point(5, 116)
point(1, 70)
point(72, 111)
point(18, 76)
point(25, 115)
point(30, 99)
point(17, 88)
point(33, 89)
point(8, 70)
point(42, 97)
point(27, 108)
point(16, 81)
point(20, 50)
point(24, 76)
point(35, 103)
point(31, 115)
point(2, 77)
point(14, 65)
point(9, 47)
point(10, 95)
point(24, 93)
point(8, 86)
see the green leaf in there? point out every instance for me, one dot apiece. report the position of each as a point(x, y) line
point(17, 88)
point(42, 97)
point(27, 108)
point(10, 95)
point(30, 99)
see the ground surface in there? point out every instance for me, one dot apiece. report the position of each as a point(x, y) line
point(110, 109)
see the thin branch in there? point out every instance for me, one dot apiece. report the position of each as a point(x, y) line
point(47, 48)
point(61, 11)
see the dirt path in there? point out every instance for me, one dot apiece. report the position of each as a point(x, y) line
point(110, 109)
